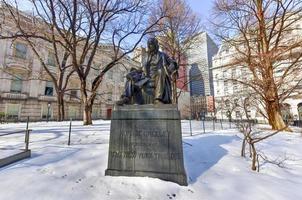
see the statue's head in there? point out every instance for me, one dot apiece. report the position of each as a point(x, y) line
point(153, 45)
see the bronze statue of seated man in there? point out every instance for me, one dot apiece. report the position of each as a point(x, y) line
point(133, 88)
point(160, 68)
point(153, 84)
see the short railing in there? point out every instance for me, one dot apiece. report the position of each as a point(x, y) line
point(24, 153)
point(9, 95)
point(26, 140)
point(47, 98)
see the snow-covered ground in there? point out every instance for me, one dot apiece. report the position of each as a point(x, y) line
point(213, 164)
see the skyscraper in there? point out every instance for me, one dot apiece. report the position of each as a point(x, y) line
point(200, 61)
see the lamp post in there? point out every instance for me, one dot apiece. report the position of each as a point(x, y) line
point(229, 116)
point(202, 118)
point(48, 108)
point(190, 118)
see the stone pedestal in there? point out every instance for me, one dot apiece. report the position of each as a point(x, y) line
point(145, 140)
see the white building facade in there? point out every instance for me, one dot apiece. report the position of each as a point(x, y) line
point(227, 92)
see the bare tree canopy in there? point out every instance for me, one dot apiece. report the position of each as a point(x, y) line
point(45, 44)
point(178, 30)
point(89, 27)
point(262, 36)
point(251, 135)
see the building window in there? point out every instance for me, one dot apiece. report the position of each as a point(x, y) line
point(300, 111)
point(73, 112)
point(245, 87)
point(238, 114)
point(73, 94)
point(233, 73)
point(46, 111)
point(216, 79)
point(249, 114)
point(13, 111)
point(227, 104)
point(16, 85)
point(224, 74)
point(110, 74)
point(235, 86)
point(109, 96)
point(96, 112)
point(226, 87)
point(48, 89)
point(122, 77)
point(51, 60)
point(298, 28)
point(20, 50)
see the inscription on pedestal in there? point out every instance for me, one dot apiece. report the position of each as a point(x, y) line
point(144, 144)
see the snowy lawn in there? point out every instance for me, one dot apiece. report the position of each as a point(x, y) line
point(213, 164)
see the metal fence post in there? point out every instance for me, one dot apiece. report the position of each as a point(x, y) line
point(27, 135)
point(69, 135)
point(213, 124)
point(190, 127)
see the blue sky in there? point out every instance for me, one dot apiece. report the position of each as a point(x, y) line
point(202, 7)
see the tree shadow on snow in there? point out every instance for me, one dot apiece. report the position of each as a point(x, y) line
point(50, 155)
point(204, 153)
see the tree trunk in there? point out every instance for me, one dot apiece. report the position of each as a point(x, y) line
point(274, 116)
point(174, 90)
point(61, 108)
point(87, 103)
point(254, 156)
point(87, 115)
point(243, 147)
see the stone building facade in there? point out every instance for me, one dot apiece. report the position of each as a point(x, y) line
point(227, 92)
point(26, 89)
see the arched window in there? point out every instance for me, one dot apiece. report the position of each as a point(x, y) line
point(227, 103)
point(300, 110)
point(286, 111)
point(16, 85)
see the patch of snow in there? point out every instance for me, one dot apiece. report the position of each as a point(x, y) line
point(213, 164)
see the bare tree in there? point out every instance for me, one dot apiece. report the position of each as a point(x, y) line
point(86, 28)
point(251, 136)
point(178, 32)
point(262, 36)
point(85, 24)
point(45, 43)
